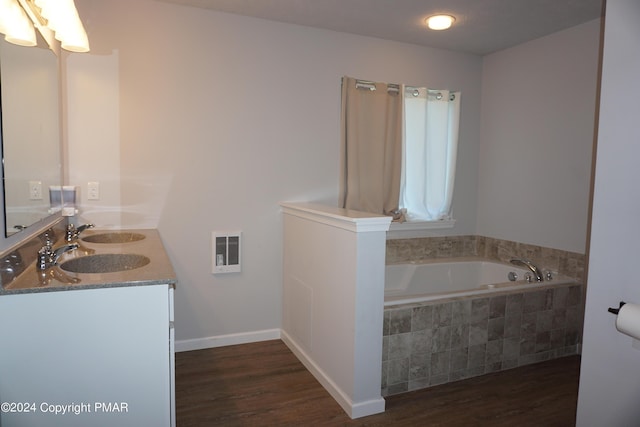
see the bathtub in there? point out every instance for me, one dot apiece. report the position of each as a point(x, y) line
point(447, 320)
point(451, 278)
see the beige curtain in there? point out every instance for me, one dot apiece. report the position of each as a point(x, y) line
point(371, 160)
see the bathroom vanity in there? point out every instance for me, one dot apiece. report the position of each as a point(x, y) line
point(90, 348)
point(87, 342)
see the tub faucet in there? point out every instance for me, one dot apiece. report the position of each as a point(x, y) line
point(526, 263)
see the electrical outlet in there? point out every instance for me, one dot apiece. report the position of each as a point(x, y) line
point(93, 190)
point(35, 190)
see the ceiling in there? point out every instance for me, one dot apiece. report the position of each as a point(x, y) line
point(482, 26)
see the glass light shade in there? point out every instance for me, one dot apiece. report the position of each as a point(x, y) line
point(440, 22)
point(15, 24)
point(75, 42)
point(63, 19)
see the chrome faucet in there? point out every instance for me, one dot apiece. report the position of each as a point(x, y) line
point(48, 257)
point(73, 232)
point(526, 263)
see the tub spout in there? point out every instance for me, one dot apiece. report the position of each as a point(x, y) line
point(531, 266)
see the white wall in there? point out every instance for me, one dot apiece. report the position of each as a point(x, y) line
point(92, 90)
point(194, 120)
point(538, 104)
point(609, 381)
point(201, 121)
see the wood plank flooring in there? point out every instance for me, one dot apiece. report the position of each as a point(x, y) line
point(263, 384)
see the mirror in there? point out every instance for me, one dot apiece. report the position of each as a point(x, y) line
point(31, 134)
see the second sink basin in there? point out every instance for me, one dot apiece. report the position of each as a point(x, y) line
point(105, 263)
point(114, 237)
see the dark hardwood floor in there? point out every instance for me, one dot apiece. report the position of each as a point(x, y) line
point(263, 384)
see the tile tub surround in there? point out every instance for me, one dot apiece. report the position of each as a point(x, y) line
point(567, 263)
point(445, 341)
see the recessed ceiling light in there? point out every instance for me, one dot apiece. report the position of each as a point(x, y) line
point(440, 22)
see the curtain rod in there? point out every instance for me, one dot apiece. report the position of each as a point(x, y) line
point(415, 91)
point(366, 84)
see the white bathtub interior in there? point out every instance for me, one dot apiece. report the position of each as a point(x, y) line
point(406, 283)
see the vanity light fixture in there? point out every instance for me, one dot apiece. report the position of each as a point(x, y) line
point(440, 22)
point(57, 19)
point(15, 24)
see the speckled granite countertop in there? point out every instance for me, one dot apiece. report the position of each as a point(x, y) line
point(157, 271)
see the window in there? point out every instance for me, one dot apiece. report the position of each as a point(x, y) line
point(430, 141)
point(399, 150)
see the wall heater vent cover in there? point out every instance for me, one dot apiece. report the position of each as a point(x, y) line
point(226, 251)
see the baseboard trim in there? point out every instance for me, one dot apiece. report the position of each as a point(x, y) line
point(354, 410)
point(230, 339)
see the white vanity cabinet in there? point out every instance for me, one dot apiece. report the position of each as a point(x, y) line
point(88, 357)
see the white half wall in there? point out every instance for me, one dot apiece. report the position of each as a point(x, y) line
point(538, 111)
point(333, 300)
